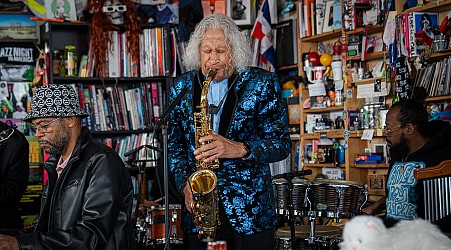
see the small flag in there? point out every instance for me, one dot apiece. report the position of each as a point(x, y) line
point(264, 51)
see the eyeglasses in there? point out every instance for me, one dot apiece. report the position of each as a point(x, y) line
point(42, 128)
point(388, 131)
point(114, 8)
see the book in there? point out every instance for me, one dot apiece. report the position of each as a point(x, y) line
point(421, 30)
point(114, 68)
point(286, 41)
point(320, 6)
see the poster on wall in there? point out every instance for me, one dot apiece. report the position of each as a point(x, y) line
point(240, 11)
point(17, 61)
point(17, 27)
point(61, 9)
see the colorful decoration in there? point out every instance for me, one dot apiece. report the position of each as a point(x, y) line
point(314, 59)
point(325, 59)
point(101, 22)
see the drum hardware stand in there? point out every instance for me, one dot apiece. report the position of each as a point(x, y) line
point(141, 165)
point(365, 201)
point(311, 218)
point(291, 211)
point(340, 191)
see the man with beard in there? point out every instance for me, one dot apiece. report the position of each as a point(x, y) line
point(414, 143)
point(87, 200)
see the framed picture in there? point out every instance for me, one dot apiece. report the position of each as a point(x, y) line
point(359, 13)
point(329, 17)
point(219, 7)
point(17, 27)
point(318, 101)
point(294, 113)
point(240, 11)
point(382, 150)
point(61, 9)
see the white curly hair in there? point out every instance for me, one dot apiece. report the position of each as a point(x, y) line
point(241, 52)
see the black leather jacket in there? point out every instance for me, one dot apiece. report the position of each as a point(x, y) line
point(13, 177)
point(89, 206)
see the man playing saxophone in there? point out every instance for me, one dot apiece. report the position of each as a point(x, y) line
point(249, 130)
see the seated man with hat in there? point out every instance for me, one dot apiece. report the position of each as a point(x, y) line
point(87, 200)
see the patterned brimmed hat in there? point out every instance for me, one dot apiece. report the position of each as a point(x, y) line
point(55, 101)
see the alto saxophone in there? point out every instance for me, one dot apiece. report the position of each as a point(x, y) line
point(203, 182)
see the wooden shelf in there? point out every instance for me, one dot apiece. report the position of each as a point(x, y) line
point(329, 134)
point(369, 56)
point(324, 36)
point(337, 134)
point(323, 110)
point(321, 165)
point(438, 98)
point(371, 29)
point(430, 7)
point(439, 55)
point(382, 165)
point(288, 67)
point(366, 81)
point(295, 137)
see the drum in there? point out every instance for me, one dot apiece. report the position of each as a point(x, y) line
point(282, 196)
point(156, 225)
point(336, 198)
point(326, 237)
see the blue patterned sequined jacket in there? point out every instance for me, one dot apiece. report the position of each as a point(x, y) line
point(254, 113)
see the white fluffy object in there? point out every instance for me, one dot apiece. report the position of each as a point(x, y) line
point(368, 232)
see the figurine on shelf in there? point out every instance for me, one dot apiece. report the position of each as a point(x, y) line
point(100, 22)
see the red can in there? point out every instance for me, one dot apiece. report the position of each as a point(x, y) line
point(221, 245)
point(212, 245)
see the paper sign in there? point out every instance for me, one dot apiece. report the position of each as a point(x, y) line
point(379, 132)
point(316, 89)
point(367, 134)
point(367, 90)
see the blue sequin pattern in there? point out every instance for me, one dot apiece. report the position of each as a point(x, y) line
point(260, 119)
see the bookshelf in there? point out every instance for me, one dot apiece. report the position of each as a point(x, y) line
point(438, 61)
point(123, 109)
point(349, 135)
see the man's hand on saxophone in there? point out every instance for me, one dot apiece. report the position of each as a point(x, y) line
point(188, 198)
point(219, 147)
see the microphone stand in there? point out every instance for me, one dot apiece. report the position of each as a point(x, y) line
point(162, 122)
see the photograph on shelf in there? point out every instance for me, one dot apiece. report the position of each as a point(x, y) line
point(337, 18)
point(308, 151)
point(240, 11)
point(359, 14)
point(17, 27)
point(61, 9)
point(329, 17)
point(318, 101)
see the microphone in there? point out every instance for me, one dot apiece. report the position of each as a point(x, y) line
point(291, 175)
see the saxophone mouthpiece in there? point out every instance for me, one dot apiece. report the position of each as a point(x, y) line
point(211, 73)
